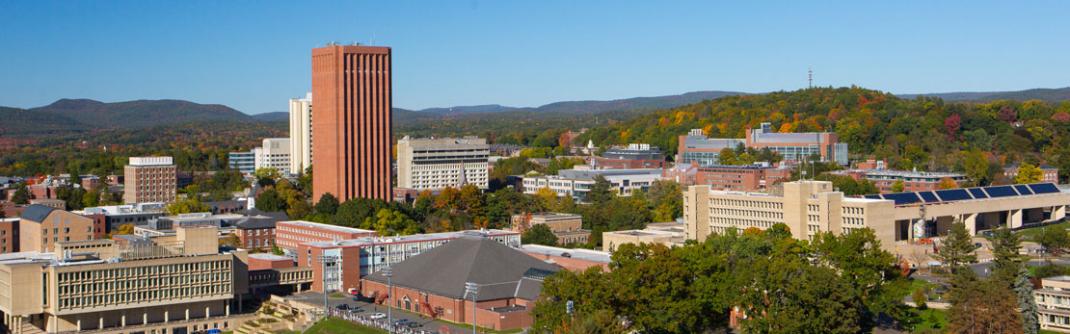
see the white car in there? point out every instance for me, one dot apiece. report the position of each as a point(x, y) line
point(377, 316)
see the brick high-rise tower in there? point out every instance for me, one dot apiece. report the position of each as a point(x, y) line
point(351, 122)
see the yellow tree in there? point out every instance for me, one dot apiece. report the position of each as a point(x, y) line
point(547, 197)
point(1027, 173)
point(947, 183)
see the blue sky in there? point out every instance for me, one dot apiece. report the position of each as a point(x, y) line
point(254, 55)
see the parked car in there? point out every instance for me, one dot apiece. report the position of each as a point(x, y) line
point(377, 316)
point(413, 324)
point(343, 306)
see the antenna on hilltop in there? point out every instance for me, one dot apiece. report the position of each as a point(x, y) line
point(810, 77)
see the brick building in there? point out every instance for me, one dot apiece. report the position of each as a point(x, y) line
point(257, 232)
point(568, 228)
point(150, 179)
point(42, 227)
point(351, 122)
point(433, 284)
point(289, 235)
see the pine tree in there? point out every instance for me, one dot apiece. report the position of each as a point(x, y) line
point(1026, 304)
point(957, 248)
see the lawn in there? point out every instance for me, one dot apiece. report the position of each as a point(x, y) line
point(931, 320)
point(1032, 232)
point(339, 326)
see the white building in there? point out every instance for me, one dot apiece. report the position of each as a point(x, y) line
point(275, 153)
point(1053, 304)
point(577, 182)
point(437, 163)
point(244, 162)
point(300, 134)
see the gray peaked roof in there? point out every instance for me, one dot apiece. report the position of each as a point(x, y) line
point(36, 213)
point(444, 270)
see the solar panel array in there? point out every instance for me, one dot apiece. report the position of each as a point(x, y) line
point(951, 195)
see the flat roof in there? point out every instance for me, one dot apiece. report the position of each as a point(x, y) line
point(269, 257)
point(1063, 278)
point(575, 253)
point(410, 238)
point(336, 228)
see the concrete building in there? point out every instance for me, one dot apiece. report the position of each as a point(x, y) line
point(792, 147)
point(371, 254)
point(633, 156)
point(728, 177)
point(1053, 304)
point(300, 134)
point(695, 147)
point(1049, 174)
point(568, 228)
point(433, 284)
point(352, 149)
point(809, 207)
point(795, 147)
point(9, 235)
point(41, 228)
point(574, 259)
point(150, 179)
point(289, 235)
point(885, 179)
point(274, 153)
point(669, 234)
point(244, 162)
point(181, 286)
point(437, 163)
point(117, 215)
point(577, 182)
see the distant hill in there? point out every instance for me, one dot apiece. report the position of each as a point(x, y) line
point(274, 116)
point(76, 115)
point(587, 106)
point(1045, 94)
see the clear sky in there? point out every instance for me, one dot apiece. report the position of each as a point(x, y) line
point(254, 55)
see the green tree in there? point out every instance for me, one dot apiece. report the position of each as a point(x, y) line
point(897, 186)
point(727, 156)
point(1028, 173)
point(327, 205)
point(270, 201)
point(1054, 239)
point(1027, 305)
point(667, 200)
point(392, 222)
point(22, 195)
point(1006, 259)
point(188, 205)
point(977, 167)
point(91, 199)
point(539, 234)
point(958, 248)
point(600, 192)
point(266, 176)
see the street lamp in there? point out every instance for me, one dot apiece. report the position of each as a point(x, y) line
point(473, 288)
point(389, 296)
point(326, 260)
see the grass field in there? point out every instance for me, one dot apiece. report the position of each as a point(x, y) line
point(339, 326)
point(1031, 233)
point(931, 320)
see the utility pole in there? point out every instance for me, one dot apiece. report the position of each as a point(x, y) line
point(325, 261)
point(473, 288)
point(389, 297)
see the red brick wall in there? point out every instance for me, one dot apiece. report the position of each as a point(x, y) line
point(353, 134)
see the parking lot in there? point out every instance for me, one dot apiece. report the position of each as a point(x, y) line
point(366, 309)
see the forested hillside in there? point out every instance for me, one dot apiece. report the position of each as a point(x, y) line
point(923, 133)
